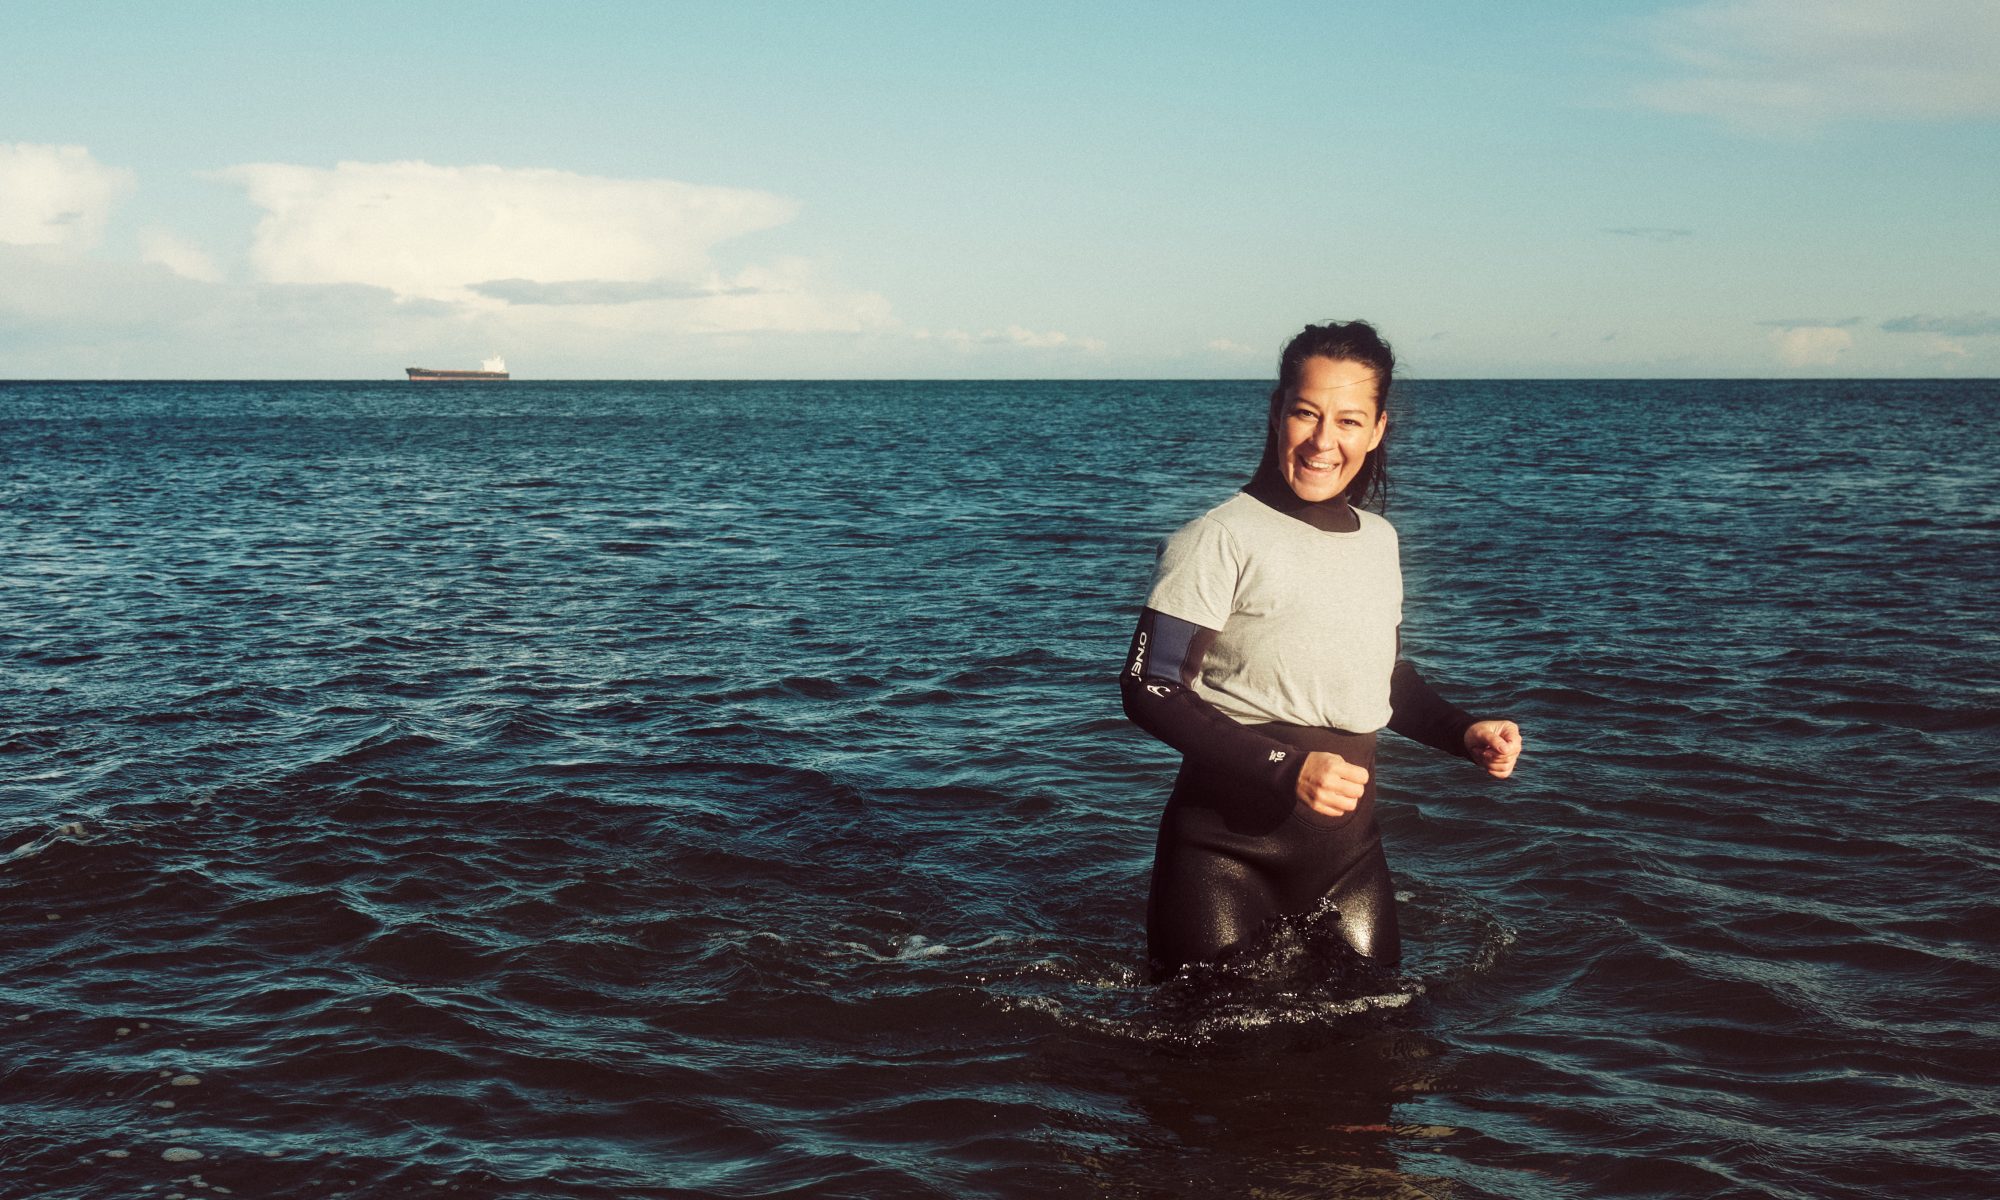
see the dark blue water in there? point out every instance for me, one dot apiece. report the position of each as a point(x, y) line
point(674, 790)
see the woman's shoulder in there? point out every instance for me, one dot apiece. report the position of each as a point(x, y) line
point(1375, 523)
point(1217, 517)
point(1235, 514)
point(1222, 530)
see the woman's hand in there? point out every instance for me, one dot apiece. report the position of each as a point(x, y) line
point(1330, 785)
point(1494, 745)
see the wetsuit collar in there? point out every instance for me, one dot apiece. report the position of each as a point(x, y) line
point(1330, 516)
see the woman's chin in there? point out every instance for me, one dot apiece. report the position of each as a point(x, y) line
point(1313, 491)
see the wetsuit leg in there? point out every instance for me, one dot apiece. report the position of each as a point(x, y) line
point(1365, 901)
point(1233, 856)
point(1202, 902)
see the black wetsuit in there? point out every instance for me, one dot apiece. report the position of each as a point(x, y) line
point(1236, 847)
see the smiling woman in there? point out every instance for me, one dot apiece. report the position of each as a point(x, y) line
point(1326, 425)
point(1267, 654)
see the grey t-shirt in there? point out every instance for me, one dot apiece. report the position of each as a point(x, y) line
point(1305, 619)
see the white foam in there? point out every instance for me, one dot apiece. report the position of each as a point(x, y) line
point(919, 946)
point(180, 1154)
point(30, 849)
point(916, 947)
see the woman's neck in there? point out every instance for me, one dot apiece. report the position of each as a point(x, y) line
point(1331, 516)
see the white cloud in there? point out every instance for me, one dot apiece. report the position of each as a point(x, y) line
point(1812, 345)
point(1047, 339)
point(55, 195)
point(433, 232)
point(363, 269)
point(1790, 65)
point(597, 291)
point(178, 255)
point(1015, 335)
point(1225, 346)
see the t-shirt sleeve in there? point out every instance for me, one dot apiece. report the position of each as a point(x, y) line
point(1157, 684)
point(1197, 574)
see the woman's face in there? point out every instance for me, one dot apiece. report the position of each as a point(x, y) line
point(1327, 426)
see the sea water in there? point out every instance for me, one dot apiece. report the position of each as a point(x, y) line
point(719, 789)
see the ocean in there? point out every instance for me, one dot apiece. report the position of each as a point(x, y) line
point(612, 790)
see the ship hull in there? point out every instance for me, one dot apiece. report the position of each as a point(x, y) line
point(426, 375)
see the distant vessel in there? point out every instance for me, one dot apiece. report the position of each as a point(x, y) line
point(492, 368)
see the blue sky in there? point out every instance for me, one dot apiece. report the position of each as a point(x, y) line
point(1732, 188)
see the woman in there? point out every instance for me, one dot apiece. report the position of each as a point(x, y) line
point(1267, 654)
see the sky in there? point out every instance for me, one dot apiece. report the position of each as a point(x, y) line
point(1625, 189)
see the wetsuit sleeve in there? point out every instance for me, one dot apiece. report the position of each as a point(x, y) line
point(1157, 687)
point(1417, 712)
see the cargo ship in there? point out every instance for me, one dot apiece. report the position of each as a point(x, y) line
point(492, 368)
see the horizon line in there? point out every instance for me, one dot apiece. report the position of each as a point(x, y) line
point(480, 384)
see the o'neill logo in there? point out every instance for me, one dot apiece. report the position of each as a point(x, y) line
point(1277, 756)
point(1159, 689)
point(1138, 656)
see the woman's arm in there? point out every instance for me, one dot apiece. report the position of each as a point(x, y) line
point(1417, 712)
point(1420, 714)
point(1157, 686)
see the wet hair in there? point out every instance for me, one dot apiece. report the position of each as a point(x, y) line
point(1342, 341)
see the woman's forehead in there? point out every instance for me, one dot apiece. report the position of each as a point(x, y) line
point(1328, 383)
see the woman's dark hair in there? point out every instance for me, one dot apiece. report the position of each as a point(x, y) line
point(1342, 341)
